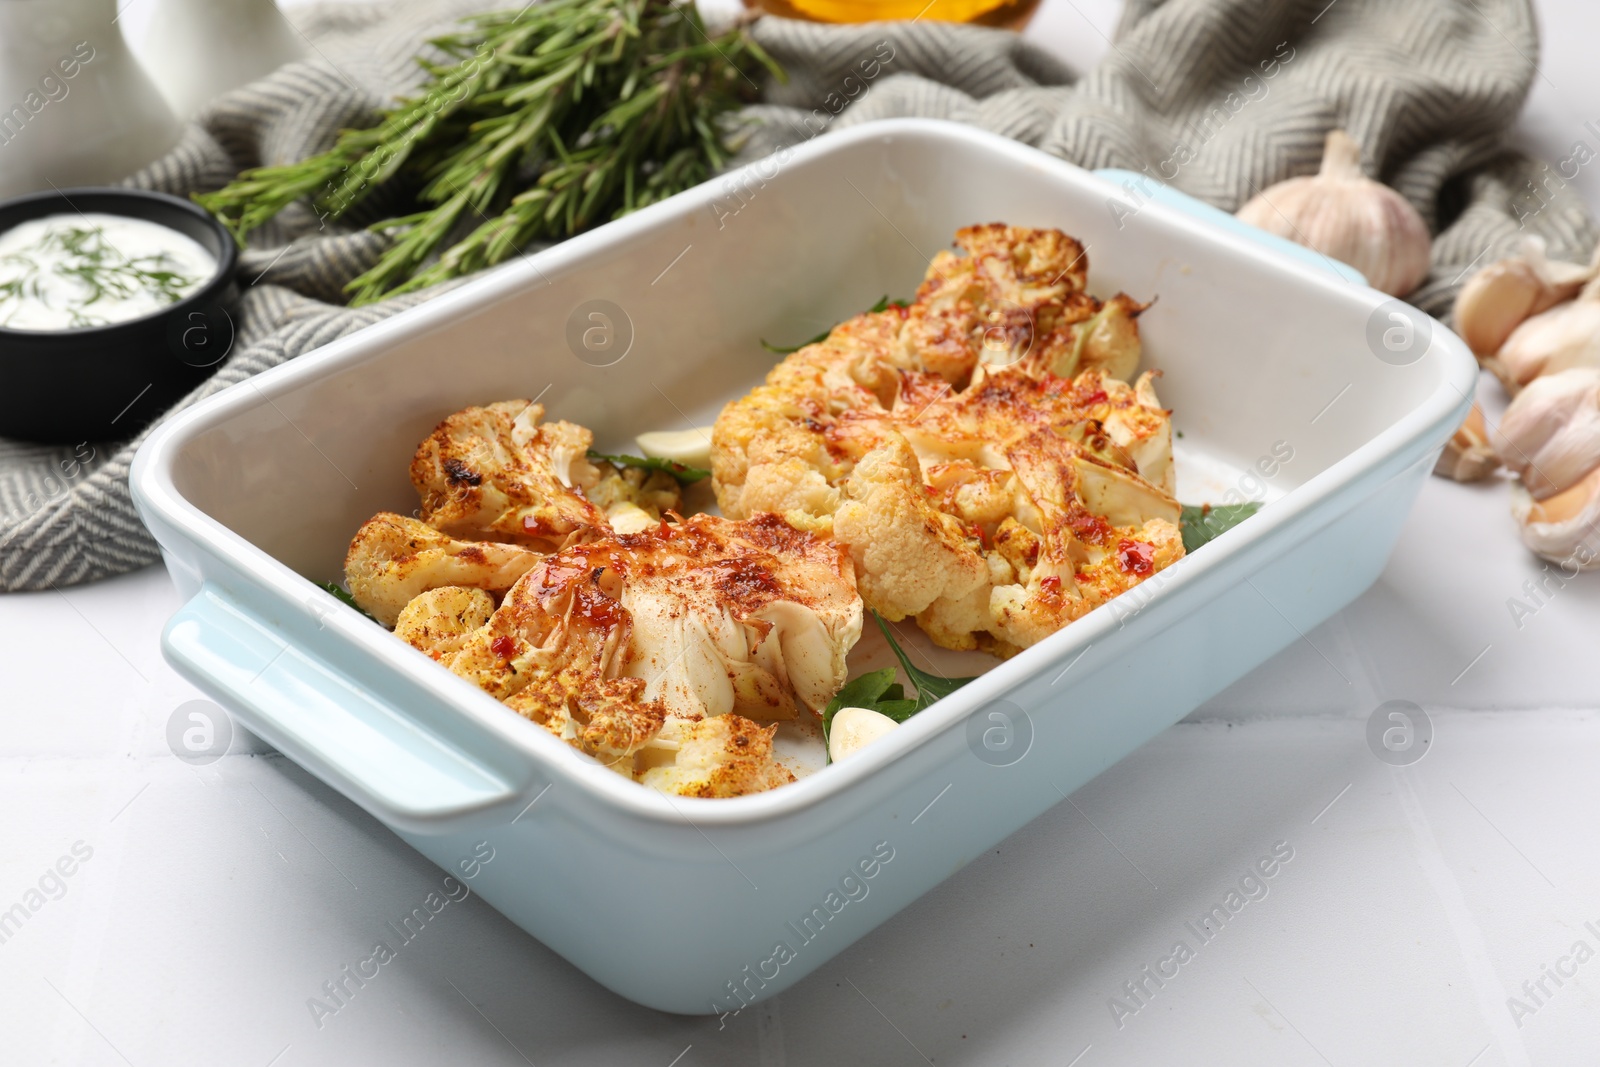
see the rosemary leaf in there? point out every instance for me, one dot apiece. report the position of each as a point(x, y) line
point(882, 305)
point(681, 471)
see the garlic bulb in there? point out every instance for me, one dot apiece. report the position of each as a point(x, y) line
point(1347, 216)
point(1500, 297)
point(1564, 528)
point(855, 728)
point(1550, 435)
point(1565, 336)
point(1467, 455)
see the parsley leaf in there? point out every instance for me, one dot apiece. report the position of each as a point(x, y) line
point(682, 472)
point(1202, 522)
point(930, 687)
point(882, 305)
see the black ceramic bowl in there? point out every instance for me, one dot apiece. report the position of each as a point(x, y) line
point(104, 383)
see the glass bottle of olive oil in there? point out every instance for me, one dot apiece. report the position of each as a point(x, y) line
point(1012, 14)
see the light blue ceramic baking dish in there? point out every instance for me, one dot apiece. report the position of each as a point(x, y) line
point(698, 905)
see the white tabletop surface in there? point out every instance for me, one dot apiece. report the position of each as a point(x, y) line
point(216, 900)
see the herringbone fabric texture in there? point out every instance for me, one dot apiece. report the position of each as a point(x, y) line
point(1216, 97)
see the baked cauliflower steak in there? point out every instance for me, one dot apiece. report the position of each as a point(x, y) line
point(978, 451)
point(570, 588)
point(671, 654)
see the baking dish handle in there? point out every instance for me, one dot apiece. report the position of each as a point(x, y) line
point(1138, 188)
point(373, 753)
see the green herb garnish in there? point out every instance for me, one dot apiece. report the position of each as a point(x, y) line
point(930, 687)
point(1202, 522)
point(681, 471)
point(342, 594)
point(882, 305)
point(543, 122)
point(878, 691)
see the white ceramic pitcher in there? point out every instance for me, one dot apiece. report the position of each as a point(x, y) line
point(75, 106)
point(198, 49)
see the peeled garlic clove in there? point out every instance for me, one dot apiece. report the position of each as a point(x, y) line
point(692, 448)
point(1467, 455)
point(1565, 336)
point(1347, 216)
point(1550, 435)
point(1565, 528)
point(1500, 297)
point(855, 728)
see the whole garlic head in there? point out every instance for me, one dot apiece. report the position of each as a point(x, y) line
point(1500, 297)
point(1550, 435)
point(1347, 216)
point(1565, 336)
point(1564, 528)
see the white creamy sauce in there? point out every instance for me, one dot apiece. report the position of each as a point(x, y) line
point(71, 271)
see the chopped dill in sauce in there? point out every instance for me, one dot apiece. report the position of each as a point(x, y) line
point(68, 272)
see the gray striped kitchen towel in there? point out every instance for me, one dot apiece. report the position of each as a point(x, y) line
point(1217, 97)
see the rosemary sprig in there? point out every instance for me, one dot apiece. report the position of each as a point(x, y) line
point(883, 304)
point(685, 474)
point(545, 121)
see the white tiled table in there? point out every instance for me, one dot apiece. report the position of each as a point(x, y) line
point(217, 900)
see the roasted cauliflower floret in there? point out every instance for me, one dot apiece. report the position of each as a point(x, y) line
point(1016, 296)
point(611, 641)
point(977, 451)
point(633, 498)
point(907, 552)
point(727, 756)
point(496, 474)
point(612, 722)
point(393, 559)
point(769, 455)
point(439, 621)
